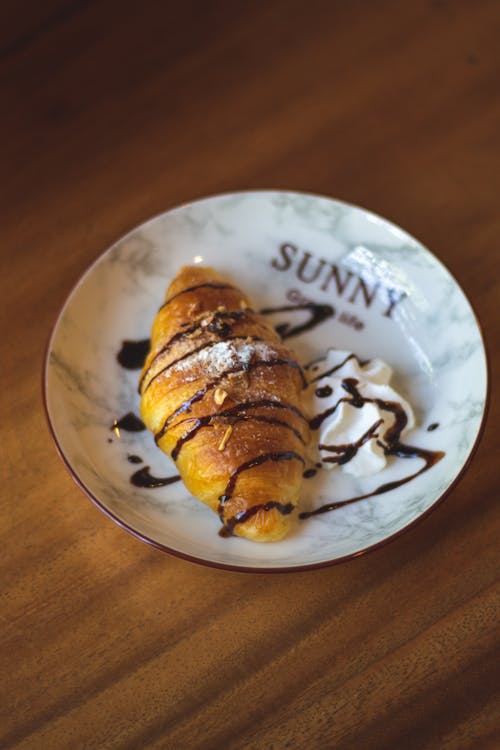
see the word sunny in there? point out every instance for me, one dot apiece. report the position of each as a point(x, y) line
point(331, 277)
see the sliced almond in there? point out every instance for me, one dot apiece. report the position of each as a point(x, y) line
point(225, 438)
point(220, 396)
point(243, 304)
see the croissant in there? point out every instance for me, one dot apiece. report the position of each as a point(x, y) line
point(222, 396)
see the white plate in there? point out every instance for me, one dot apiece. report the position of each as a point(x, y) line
point(279, 247)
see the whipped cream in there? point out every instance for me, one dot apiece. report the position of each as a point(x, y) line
point(353, 427)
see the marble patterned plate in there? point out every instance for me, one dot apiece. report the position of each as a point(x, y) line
point(389, 296)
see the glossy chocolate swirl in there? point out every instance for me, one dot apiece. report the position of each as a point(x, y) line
point(391, 444)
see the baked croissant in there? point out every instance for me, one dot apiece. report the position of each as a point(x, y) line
point(222, 396)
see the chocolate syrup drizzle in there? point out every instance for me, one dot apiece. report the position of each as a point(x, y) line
point(257, 461)
point(227, 529)
point(319, 313)
point(206, 345)
point(234, 415)
point(143, 478)
point(361, 363)
point(200, 394)
point(391, 445)
point(209, 284)
point(217, 326)
point(357, 400)
point(229, 524)
point(348, 450)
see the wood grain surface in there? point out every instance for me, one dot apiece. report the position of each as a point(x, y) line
point(113, 112)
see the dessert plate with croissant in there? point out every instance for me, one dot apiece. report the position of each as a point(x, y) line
point(266, 381)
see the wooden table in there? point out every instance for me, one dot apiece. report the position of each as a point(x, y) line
point(111, 113)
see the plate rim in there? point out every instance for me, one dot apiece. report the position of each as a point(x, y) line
point(231, 566)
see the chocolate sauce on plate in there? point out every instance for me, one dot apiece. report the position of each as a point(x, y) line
point(324, 392)
point(133, 459)
point(430, 457)
point(143, 478)
point(133, 354)
point(129, 422)
point(318, 314)
point(309, 473)
point(433, 427)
